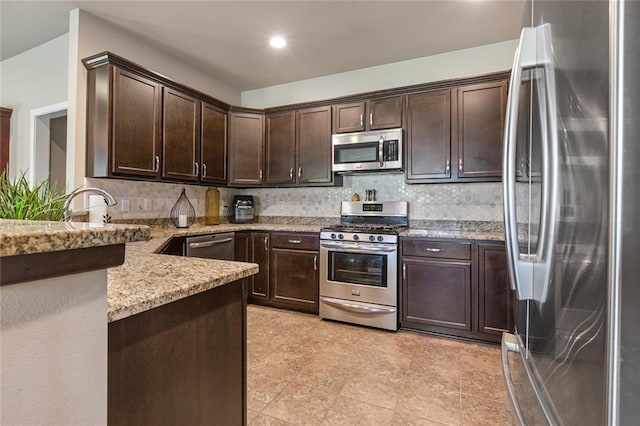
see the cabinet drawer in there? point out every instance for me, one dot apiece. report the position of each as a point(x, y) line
point(295, 241)
point(426, 248)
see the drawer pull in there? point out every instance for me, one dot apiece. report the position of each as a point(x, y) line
point(433, 250)
point(294, 241)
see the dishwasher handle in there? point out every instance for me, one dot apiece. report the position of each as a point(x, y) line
point(209, 243)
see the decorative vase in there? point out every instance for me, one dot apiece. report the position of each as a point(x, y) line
point(182, 213)
point(212, 207)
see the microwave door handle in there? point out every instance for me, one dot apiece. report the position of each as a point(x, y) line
point(381, 151)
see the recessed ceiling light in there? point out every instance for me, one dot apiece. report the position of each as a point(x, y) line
point(278, 42)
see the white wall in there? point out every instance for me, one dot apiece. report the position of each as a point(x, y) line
point(53, 351)
point(89, 35)
point(456, 64)
point(30, 80)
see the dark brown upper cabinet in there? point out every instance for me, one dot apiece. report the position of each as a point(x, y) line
point(123, 127)
point(142, 125)
point(314, 146)
point(180, 136)
point(385, 113)
point(5, 131)
point(481, 115)
point(280, 166)
point(349, 117)
point(213, 154)
point(246, 148)
point(428, 135)
point(373, 114)
point(298, 147)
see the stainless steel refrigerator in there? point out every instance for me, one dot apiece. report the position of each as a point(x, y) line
point(572, 208)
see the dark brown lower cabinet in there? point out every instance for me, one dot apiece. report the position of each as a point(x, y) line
point(294, 279)
point(457, 288)
point(495, 298)
point(259, 253)
point(181, 363)
point(437, 293)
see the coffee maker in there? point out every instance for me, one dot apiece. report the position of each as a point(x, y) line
point(242, 209)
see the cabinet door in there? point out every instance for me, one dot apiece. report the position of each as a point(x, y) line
point(314, 145)
point(385, 113)
point(436, 293)
point(294, 279)
point(259, 283)
point(135, 144)
point(213, 145)
point(495, 310)
point(429, 135)
point(349, 117)
point(241, 247)
point(246, 148)
point(481, 113)
point(281, 148)
point(180, 136)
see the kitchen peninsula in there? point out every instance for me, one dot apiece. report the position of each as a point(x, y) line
point(53, 328)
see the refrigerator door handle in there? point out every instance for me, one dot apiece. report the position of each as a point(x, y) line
point(530, 273)
point(519, 271)
point(510, 344)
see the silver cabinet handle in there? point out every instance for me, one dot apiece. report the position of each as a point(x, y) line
point(315, 262)
point(361, 122)
point(299, 172)
point(433, 250)
point(404, 271)
point(196, 169)
point(370, 119)
point(291, 173)
point(294, 241)
point(156, 169)
point(356, 307)
point(204, 170)
point(381, 151)
point(266, 243)
point(460, 165)
point(448, 166)
point(510, 344)
point(209, 243)
point(260, 174)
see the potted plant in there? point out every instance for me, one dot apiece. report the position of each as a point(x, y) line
point(20, 200)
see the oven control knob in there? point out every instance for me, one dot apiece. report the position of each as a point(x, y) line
point(355, 237)
point(380, 238)
point(340, 236)
point(372, 238)
point(333, 236)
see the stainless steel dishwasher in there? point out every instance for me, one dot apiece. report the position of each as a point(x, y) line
point(214, 246)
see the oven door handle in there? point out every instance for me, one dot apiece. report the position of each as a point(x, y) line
point(356, 248)
point(354, 307)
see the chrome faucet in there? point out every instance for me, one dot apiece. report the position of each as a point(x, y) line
point(110, 199)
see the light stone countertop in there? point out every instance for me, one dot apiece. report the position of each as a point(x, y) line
point(147, 279)
point(19, 237)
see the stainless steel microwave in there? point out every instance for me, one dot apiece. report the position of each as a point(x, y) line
point(368, 151)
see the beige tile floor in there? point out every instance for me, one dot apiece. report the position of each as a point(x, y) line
point(303, 370)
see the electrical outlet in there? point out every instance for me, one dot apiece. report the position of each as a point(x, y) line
point(124, 206)
point(147, 204)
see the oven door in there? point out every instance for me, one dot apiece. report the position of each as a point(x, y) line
point(362, 272)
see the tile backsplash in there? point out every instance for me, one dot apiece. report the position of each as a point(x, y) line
point(469, 201)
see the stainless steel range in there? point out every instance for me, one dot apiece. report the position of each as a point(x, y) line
point(359, 264)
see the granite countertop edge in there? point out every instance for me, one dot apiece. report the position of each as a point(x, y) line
point(22, 237)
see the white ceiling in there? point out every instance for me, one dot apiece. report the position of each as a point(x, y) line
point(230, 39)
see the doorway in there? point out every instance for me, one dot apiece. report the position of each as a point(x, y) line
point(49, 146)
